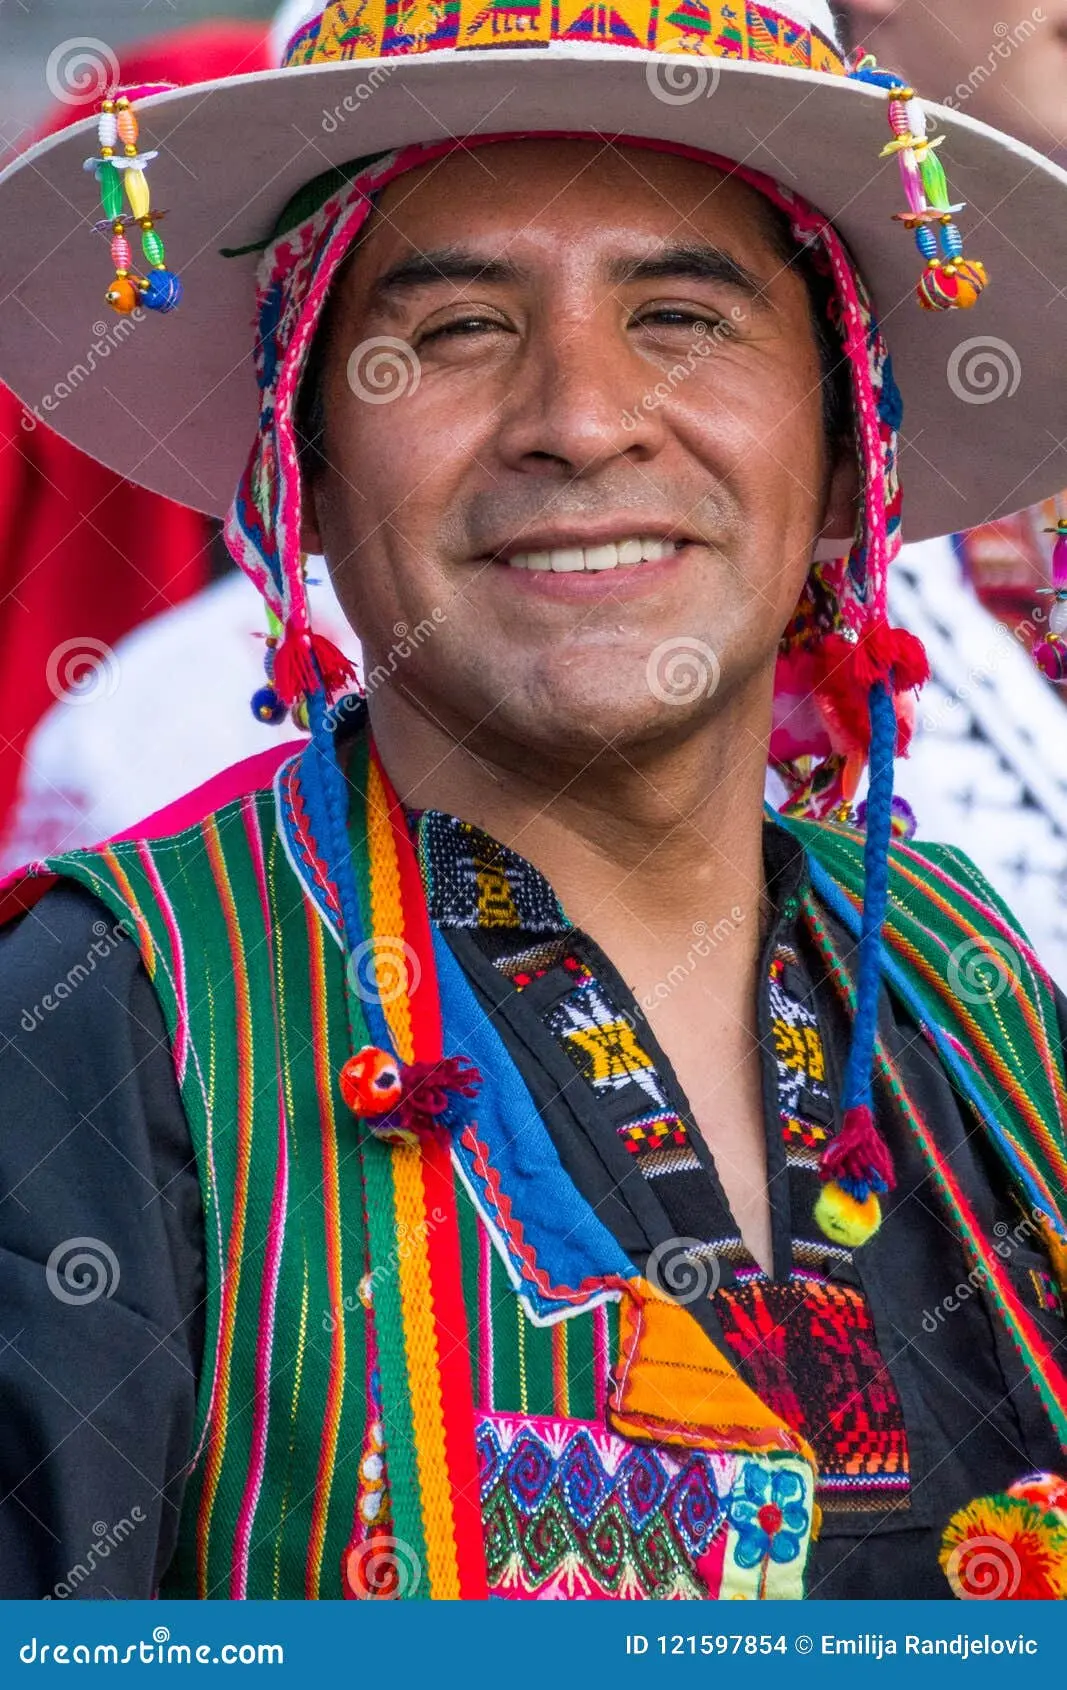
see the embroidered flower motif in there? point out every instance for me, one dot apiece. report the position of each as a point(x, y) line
point(769, 1516)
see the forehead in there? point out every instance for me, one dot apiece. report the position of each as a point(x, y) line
point(518, 192)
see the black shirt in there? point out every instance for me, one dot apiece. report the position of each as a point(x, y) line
point(98, 1364)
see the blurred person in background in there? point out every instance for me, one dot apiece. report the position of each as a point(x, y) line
point(987, 768)
point(85, 555)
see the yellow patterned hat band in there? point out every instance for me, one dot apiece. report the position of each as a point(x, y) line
point(795, 36)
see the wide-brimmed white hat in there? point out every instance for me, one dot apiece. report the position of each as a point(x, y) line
point(170, 400)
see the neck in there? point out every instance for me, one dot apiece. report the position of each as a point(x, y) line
point(657, 838)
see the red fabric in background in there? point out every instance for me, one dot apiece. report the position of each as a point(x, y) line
point(84, 555)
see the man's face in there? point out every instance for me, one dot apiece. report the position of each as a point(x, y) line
point(588, 512)
point(1004, 65)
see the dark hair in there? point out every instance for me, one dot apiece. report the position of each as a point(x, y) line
point(309, 418)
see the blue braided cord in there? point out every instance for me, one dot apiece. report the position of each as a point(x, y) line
point(965, 1081)
point(325, 792)
point(857, 1089)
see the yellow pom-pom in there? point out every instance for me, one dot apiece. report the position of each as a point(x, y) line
point(844, 1219)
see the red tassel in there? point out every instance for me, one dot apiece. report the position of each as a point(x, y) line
point(849, 670)
point(859, 1153)
point(336, 669)
point(429, 1088)
point(303, 660)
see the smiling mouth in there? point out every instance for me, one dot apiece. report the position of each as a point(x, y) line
point(611, 554)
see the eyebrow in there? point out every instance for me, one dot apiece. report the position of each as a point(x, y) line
point(680, 262)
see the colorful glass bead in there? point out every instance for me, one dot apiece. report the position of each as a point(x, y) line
point(1059, 560)
point(127, 126)
point(370, 1082)
point(122, 296)
point(153, 248)
point(120, 253)
point(163, 291)
point(110, 189)
point(137, 192)
point(268, 707)
point(1050, 655)
point(107, 127)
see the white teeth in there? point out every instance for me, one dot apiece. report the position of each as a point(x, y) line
point(610, 555)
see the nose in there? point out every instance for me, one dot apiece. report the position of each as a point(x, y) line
point(579, 400)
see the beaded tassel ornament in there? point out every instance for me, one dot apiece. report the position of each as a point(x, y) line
point(1050, 654)
point(950, 281)
point(161, 289)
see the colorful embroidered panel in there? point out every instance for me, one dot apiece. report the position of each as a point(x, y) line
point(573, 1511)
point(809, 1350)
point(806, 1346)
point(369, 29)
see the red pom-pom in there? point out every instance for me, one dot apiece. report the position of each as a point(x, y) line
point(371, 1082)
point(859, 1153)
point(428, 1088)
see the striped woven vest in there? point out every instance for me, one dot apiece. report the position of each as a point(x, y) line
point(560, 1428)
point(591, 1471)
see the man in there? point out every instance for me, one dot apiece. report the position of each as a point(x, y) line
point(486, 1162)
